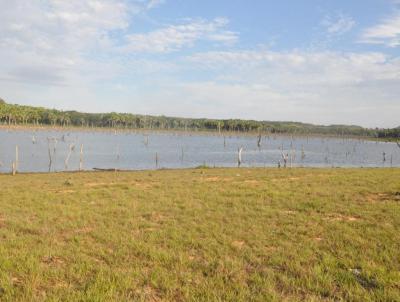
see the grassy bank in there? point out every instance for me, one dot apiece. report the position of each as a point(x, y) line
point(201, 235)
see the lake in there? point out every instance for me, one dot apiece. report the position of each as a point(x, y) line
point(152, 150)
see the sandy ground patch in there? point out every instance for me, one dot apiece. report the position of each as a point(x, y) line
point(339, 217)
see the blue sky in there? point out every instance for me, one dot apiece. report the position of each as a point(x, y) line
point(325, 62)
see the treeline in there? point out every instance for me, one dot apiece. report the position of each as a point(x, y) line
point(28, 115)
point(389, 133)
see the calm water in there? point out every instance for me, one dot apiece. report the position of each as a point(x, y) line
point(110, 150)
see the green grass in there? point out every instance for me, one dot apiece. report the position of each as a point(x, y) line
point(201, 235)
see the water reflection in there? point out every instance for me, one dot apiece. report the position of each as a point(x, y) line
point(41, 151)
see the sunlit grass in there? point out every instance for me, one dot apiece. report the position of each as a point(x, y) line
point(201, 235)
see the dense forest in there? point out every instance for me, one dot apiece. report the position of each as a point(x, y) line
point(27, 115)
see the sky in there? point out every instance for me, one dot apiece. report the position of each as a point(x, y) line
point(315, 61)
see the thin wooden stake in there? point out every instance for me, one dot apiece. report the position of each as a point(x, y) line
point(285, 159)
point(50, 160)
point(71, 148)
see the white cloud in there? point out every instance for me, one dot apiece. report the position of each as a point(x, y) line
point(154, 3)
point(50, 42)
point(176, 37)
point(303, 67)
point(51, 25)
point(70, 51)
point(68, 42)
point(57, 42)
point(318, 87)
point(370, 106)
point(338, 25)
point(387, 32)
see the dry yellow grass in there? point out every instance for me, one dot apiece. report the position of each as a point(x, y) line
point(201, 235)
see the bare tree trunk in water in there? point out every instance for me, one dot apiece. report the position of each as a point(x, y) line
point(240, 156)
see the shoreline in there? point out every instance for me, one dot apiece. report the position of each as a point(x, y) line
point(199, 168)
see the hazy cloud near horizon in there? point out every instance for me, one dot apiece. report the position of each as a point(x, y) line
point(332, 64)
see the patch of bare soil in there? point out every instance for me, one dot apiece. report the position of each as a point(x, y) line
point(339, 217)
point(382, 197)
point(280, 179)
point(16, 281)
point(53, 260)
point(154, 217)
point(142, 185)
point(212, 179)
point(238, 244)
point(65, 191)
point(289, 212)
point(252, 182)
point(84, 230)
point(150, 294)
point(97, 184)
point(2, 222)
point(216, 179)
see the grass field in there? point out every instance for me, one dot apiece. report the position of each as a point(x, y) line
point(201, 235)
